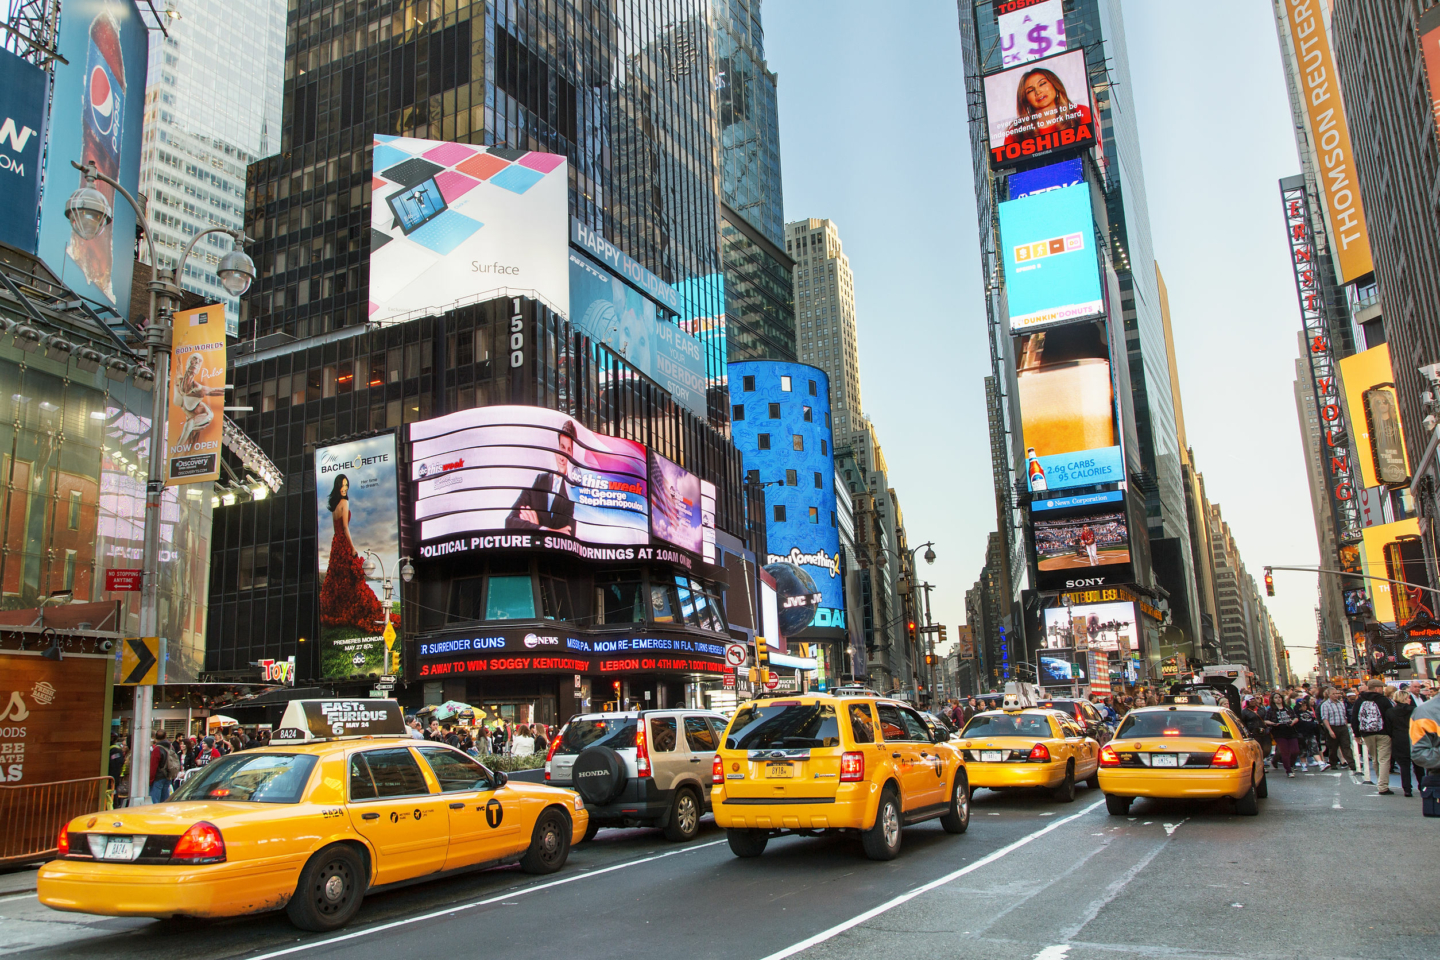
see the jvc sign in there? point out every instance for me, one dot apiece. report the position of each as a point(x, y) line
point(22, 123)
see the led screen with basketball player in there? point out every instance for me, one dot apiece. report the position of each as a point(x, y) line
point(1082, 543)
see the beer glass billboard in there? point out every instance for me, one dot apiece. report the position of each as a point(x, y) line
point(358, 551)
point(1082, 547)
point(1051, 271)
point(1039, 108)
point(1067, 408)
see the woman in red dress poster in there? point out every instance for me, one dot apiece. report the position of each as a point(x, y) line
point(345, 598)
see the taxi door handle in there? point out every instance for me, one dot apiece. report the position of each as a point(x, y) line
point(895, 755)
point(457, 806)
point(695, 759)
point(369, 816)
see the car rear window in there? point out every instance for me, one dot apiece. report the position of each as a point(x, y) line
point(1008, 725)
point(1174, 723)
point(617, 733)
point(783, 725)
point(250, 777)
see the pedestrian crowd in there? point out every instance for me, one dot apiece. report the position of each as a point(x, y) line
point(171, 758)
point(498, 738)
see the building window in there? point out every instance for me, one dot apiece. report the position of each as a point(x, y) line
point(510, 598)
point(779, 513)
point(785, 384)
point(799, 443)
point(69, 569)
point(753, 476)
point(819, 480)
point(809, 415)
point(737, 412)
point(790, 478)
point(815, 515)
point(812, 389)
point(73, 520)
point(748, 384)
point(774, 411)
point(832, 519)
point(824, 448)
point(762, 441)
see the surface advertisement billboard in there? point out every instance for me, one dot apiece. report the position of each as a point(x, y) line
point(1107, 627)
point(1029, 29)
point(1375, 417)
point(1393, 552)
point(24, 89)
point(1067, 408)
point(1314, 66)
point(1051, 271)
point(1056, 671)
point(1066, 173)
point(197, 396)
point(453, 223)
point(676, 507)
point(1039, 108)
point(1082, 548)
point(97, 109)
point(608, 310)
point(358, 554)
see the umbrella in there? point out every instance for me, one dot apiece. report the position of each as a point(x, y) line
point(218, 720)
point(450, 708)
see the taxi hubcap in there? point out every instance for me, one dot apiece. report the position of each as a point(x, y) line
point(891, 825)
point(334, 888)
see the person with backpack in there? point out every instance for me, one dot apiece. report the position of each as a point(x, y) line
point(164, 768)
point(1374, 730)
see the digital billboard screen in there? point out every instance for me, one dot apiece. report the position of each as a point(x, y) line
point(676, 507)
point(1039, 108)
point(1061, 671)
point(1374, 408)
point(1051, 271)
point(1029, 29)
point(1067, 408)
point(453, 223)
point(1076, 549)
point(1096, 626)
point(1066, 173)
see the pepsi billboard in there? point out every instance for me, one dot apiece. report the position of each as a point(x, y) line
point(23, 88)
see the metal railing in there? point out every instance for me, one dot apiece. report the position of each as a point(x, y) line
point(31, 816)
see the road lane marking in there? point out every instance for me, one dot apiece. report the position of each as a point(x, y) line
point(31, 895)
point(1113, 891)
point(1056, 952)
point(889, 905)
point(1170, 828)
point(457, 908)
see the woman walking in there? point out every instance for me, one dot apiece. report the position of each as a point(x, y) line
point(1283, 724)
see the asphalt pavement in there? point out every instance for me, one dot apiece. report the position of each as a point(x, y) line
point(1327, 870)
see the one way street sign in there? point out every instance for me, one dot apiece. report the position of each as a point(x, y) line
point(140, 659)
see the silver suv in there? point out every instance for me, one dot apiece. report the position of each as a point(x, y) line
point(639, 768)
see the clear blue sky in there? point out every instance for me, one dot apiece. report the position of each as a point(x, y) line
point(874, 137)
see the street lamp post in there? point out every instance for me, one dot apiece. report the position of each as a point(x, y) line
point(903, 586)
point(89, 212)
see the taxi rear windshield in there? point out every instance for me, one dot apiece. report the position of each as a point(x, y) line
point(250, 777)
point(1177, 723)
point(781, 726)
point(617, 733)
point(1007, 725)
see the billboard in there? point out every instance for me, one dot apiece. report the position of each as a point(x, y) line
point(1082, 548)
point(1029, 29)
point(1319, 81)
point(1039, 108)
point(357, 549)
point(608, 310)
point(24, 88)
point(1067, 408)
point(782, 428)
point(1061, 671)
point(197, 396)
point(1107, 627)
point(676, 509)
point(1066, 173)
point(98, 107)
point(1393, 552)
point(1051, 271)
point(1375, 417)
point(453, 223)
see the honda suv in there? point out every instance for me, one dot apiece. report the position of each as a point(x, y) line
point(638, 768)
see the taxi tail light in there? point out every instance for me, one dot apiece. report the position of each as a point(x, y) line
point(202, 843)
point(62, 846)
point(852, 766)
point(717, 770)
point(550, 754)
point(1040, 753)
point(1225, 757)
point(642, 749)
point(1108, 756)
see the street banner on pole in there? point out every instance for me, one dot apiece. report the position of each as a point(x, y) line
point(197, 396)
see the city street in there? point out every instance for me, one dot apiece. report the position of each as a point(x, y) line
point(1031, 879)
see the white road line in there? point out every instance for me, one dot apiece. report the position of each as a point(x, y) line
point(1056, 952)
point(1113, 891)
point(20, 896)
point(457, 908)
point(889, 905)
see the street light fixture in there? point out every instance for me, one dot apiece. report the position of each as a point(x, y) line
point(88, 211)
point(407, 569)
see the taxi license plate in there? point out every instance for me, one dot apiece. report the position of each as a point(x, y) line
point(120, 848)
point(1164, 760)
point(989, 756)
point(781, 770)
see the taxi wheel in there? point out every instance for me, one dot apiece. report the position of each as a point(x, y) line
point(957, 818)
point(1065, 793)
point(684, 817)
point(1094, 781)
point(1246, 805)
point(882, 840)
point(591, 829)
point(1117, 806)
point(549, 844)
point(1262, 788)
point(746, 843)
point(330, 890)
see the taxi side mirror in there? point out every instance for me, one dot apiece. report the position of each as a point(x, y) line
point(501, 778)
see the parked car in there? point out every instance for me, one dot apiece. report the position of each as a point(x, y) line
point(639, 768)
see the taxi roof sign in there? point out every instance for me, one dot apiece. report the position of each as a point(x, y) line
point(308, 720)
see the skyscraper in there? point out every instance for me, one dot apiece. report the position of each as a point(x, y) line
point(825, 314)
point(212, 108)
point(749, 118)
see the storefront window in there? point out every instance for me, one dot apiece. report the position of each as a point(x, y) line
point(510, 598)
point(465, 599)
point(663, 606)
point(618, 599)
point(555, 598)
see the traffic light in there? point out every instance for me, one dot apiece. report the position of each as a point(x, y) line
point(910, 630)
point(1269, 583)
point(942, 634)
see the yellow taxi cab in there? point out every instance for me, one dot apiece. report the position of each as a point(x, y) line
point(341, 802)
point(846, 762)
point(1185, 749)
point(1031, 747)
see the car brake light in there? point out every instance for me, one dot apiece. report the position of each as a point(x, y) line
point(1040, 753)
point(1225, 757)
point(202, 843)
point(1108, 756)
point(852, 766)
point(1171, 731)
point(642, 750)
point(549, 754)
point(63, 844)
point(717, 770)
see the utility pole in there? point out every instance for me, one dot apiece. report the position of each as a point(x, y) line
point(929, 645)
